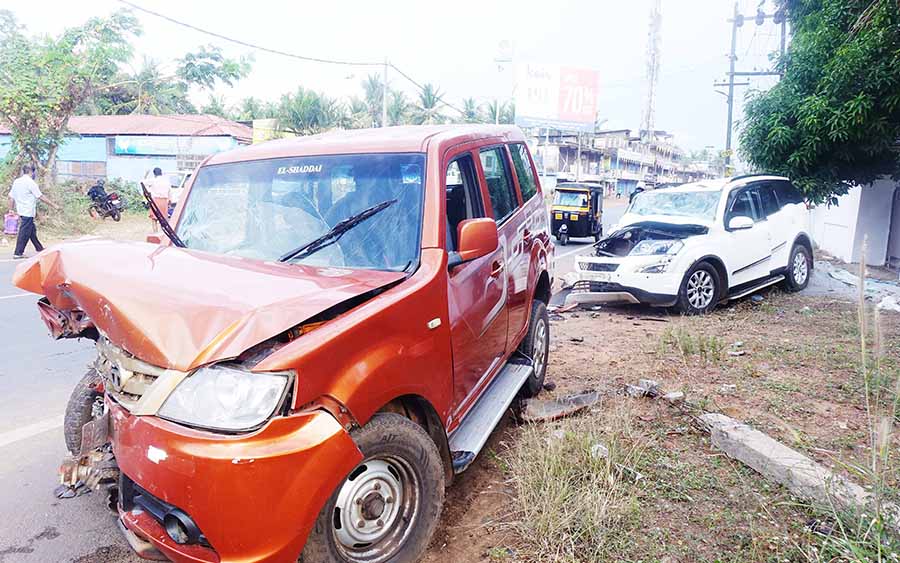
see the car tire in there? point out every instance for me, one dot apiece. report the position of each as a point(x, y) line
point(700, 290)
point(796, 278)
point(80, 409)
point(401, 478)
point(563, 239)
point(536, 345)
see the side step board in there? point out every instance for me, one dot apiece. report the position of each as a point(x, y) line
point(473, 432)
point(755, 288)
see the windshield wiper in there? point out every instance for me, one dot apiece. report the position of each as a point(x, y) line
point(336, 232)
point(162, 220)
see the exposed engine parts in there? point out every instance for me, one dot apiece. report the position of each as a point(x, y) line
point(622, 241)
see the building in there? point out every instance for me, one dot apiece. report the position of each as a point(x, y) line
point(127, 146)
point(870, 213)
point(614, 157)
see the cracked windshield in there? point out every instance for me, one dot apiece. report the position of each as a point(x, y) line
point(264, 209)
point(695, 205)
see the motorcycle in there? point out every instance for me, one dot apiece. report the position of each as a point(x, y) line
point(105, 205)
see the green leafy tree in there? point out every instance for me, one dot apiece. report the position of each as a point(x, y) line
point(253, 108)
point(215, 106)
point(306, 112)
point(429, 106)
point(833, 121)
point(43, 79)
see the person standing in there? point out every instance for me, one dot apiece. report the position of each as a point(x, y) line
point(23, 197)
point(158, 187)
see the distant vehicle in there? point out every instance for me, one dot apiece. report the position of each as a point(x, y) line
point(700, 244)
point(104, 204)
point(577, 211)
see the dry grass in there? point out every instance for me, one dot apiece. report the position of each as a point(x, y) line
point(574, 486)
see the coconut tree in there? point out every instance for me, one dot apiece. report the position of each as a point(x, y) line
point(398, 108)
point(471, 113)
point(429, 106)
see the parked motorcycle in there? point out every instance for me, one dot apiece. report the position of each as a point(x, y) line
point(104, 205)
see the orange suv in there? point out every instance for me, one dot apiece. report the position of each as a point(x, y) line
point(332, 329)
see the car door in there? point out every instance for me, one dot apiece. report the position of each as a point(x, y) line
point(477, 290)
point(748, 251)
point(778, 219)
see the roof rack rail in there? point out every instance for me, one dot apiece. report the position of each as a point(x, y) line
point(742, 176)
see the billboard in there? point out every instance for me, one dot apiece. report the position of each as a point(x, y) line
point(556, 96)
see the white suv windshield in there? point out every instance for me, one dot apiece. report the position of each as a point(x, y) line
point(695, 205)
point(264, 209)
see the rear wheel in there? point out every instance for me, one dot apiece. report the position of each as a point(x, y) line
point(94, 212)
point(85, 404)
point(536, 345)
point(563, 239)
point(116, 215)
point(799, 266)
point(387, 509)
point(700, 290)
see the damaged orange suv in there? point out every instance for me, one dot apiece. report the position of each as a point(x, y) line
point(331, 330)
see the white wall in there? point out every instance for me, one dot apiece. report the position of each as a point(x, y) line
point(874, 222)
point(834, 228)
point(894, 242)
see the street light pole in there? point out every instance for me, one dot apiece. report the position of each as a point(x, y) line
point(384, 95)
point(731, 60)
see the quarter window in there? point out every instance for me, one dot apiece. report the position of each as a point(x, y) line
point(524, 172)
point(787, 193)
point(500, 188)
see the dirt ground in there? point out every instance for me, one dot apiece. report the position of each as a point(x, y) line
point(786, 365)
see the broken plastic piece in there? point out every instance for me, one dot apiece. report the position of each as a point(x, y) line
point(545, 410)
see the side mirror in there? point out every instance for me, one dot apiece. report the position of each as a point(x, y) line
point(477, 238)
point(739, 223)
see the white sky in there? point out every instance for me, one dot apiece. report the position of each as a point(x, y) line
point(453, 44)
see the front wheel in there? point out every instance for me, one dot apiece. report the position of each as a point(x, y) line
point(116, 215)
point(387, 509)
point(799, 266)
point(700, 290)
point(85, 404)
point(563, 239)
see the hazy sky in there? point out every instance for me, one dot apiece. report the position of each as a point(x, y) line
point(453, 44)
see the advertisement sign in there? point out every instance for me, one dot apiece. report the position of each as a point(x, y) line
point(163, 145)
point(556, 96)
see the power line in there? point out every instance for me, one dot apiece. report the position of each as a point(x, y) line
point(283, 53)
point(245, 43)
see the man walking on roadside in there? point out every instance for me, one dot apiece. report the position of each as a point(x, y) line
point(23, 197)
point(159, 188)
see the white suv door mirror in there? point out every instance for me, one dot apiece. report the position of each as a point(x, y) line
point(740, 222)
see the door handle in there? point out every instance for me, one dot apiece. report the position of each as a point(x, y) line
point(496, 268)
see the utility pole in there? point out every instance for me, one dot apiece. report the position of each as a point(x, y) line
point(653, 55)
point(384, 95)
point(779, 17)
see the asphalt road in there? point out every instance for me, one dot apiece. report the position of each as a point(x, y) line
point(36, 376)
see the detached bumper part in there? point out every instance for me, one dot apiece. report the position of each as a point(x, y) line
point(141, 547)
point(589, 292)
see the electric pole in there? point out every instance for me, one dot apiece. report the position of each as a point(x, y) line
point(779, 17)
point(384, 95)
point(653, 56)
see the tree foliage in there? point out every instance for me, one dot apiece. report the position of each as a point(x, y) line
point(306, 112)
point(833, 121)
point(44, 79)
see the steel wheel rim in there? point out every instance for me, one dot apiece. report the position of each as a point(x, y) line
point(700, 289)
point(800, 268)
point(375, 510)
point(539, 349)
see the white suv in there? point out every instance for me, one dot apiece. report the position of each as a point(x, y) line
point(696, 245)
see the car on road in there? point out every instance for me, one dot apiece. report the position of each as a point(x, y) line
point(696, 245)
point(331, 332)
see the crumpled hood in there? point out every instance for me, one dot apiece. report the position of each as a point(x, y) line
point(180, 308)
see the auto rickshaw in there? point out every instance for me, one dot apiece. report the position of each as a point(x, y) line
point(577, 211)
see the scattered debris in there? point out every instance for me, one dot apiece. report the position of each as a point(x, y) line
point(805, 310)
point(655, 319)
point(577, 339)
point(736, 353)
point(728, 389)
point(635, 391)
point(545, 410)
point(556, 317)
point(757, 298)
point(820, 527)
point(674, 397)
point(599, 451)
point(889, 303)
point(569, 280)
point(738, 344)
point(567, 308)
point(66, 491)
point(797, 472)
point(650, 387)
point(549, 386)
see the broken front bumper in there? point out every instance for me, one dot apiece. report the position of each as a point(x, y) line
point(254, 497)
point(591, 292)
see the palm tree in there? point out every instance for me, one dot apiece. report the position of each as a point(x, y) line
point(398, 108)
point(306, 112)
point(470, 114)
point(500, 112)
point(373, 93)
point(357, 115)
point(428, 108)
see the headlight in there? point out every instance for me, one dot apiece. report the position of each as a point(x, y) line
point(652, 247)
point(225, 398)
point(655, 268)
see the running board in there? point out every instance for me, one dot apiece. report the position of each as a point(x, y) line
point(755, 288)
point(471, 435)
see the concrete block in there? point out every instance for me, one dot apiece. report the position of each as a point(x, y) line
point(800, 474)
point(674, 397)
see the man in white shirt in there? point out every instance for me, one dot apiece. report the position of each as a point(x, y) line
point(23, 197)
point(159, 187)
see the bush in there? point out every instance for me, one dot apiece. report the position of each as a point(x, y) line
point(73, 217)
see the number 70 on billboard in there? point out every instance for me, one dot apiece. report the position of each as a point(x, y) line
point(556, 96)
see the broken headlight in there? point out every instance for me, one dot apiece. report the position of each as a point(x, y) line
point(225, 398)
point(655, 268)
point(654, 247)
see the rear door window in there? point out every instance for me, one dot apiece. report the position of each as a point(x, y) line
point(524, 172)
point(767, 200)
point(500, 188)
point(787, 193)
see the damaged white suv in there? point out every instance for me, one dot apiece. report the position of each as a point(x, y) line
point(697, 245)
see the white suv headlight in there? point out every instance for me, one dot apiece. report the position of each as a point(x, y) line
point(225, 398)
point(653, 247)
